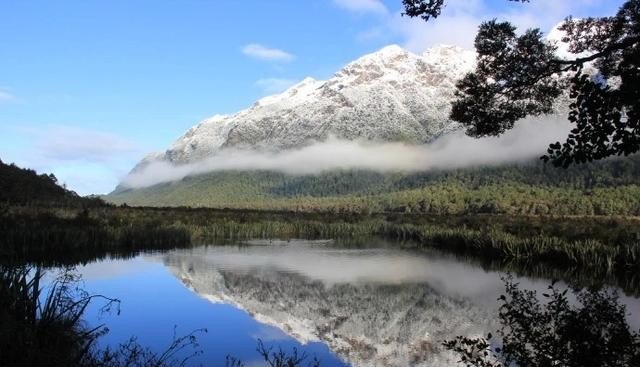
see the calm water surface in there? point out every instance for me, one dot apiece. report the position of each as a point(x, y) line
point(371, 306)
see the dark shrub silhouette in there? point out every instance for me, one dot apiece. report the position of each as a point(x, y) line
point(556, 332)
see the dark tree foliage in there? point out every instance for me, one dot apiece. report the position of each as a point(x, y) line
point(555, 332)
point(22, 186)
point(512, 80)
point(521, 75)
point(427, 9)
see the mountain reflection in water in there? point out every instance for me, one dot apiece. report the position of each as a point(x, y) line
point(373, 306)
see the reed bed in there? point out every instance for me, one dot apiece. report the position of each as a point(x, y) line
point(63, 236)
point(590, 253)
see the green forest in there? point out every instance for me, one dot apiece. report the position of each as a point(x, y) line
point(610, 187)
point(25, 187)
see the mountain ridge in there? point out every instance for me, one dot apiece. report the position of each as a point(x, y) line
point(388, 95)
point(244, 160)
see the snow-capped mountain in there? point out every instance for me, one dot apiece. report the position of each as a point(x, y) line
point(389, 95)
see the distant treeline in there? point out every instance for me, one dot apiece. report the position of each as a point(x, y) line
point(25, 187)
point(609, 187)
point(600, 174)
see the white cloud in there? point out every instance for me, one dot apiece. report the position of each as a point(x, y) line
point(266, 53)
point(275, 85)
point(6, 96)
point(66, 143)
point(529, 139)
point(362, 6)
point(418, 35)
point(372, 34)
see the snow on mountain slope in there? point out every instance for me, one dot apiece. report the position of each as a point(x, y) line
point(389, 95)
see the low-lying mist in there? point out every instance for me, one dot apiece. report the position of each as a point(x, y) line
point(529, 139)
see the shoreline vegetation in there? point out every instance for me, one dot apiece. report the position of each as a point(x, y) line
point(602, 249)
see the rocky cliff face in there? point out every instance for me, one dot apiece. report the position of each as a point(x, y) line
point(389, 95)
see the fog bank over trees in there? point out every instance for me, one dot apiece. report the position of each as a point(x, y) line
point(527, 140)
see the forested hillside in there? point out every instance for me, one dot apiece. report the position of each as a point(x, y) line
point(21, 186)
point(611, 187)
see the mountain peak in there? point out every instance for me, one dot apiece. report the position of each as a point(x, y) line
point(388, 95)
point(448, 53)
point(391, 50)
point(384, 55)
point(304, 84)
point(444, 49)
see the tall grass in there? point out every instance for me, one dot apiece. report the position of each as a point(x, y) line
point(44, 329)
point(52, 239)
point(604, 246)
point(590, 253)
point(43, 326)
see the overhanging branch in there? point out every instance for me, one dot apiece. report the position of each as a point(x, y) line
point(627, 42)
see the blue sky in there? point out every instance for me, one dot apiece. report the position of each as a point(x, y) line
point(89, 87)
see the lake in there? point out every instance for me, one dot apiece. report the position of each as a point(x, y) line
point(366, 305)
